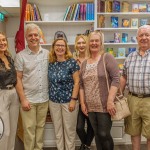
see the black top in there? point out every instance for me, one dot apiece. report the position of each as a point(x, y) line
point(7, 76)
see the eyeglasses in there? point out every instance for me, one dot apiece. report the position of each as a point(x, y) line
point(58, 45)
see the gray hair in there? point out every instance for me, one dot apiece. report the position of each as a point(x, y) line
point(32, 26)
point(143, 27)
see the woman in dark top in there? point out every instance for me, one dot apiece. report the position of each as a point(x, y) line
point(63, 75)
point(9, 102)
point(85, 135)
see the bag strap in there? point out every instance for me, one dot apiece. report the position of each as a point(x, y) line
point(105, 71)
point(106, 75)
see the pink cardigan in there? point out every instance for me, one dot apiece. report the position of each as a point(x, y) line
point(113, 77)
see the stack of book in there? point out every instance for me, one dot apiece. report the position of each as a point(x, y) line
point(32, 13)
point(82, 11)
point(124, 6)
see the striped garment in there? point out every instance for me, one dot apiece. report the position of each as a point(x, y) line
point(137, 70)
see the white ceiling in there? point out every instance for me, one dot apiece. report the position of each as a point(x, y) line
point(10, 8)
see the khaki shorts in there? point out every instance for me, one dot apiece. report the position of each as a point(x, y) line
point(139, 122)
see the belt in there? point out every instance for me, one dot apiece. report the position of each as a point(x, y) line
point(8, 87)
point(140, 95)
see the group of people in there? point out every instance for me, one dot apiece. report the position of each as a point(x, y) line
point(74, 87)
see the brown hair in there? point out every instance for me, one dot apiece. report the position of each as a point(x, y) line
point(101, 35)
point(6, 52)
point(52, 55)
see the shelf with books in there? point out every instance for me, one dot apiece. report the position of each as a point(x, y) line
point(52, 15)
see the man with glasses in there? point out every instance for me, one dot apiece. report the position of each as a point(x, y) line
point(136, 75)
point(32, 77)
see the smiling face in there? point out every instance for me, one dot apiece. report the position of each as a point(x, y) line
point(94, 43)
point(143, 38)
point(60, 48)
point(33, 38)
point(3, 43)
point(81, 45)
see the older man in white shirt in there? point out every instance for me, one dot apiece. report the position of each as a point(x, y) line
point(32, 77)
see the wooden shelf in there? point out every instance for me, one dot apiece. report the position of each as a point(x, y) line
point(58, 23)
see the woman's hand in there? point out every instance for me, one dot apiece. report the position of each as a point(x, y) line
point(72, 105)
point(84, 109)
point(111, 108)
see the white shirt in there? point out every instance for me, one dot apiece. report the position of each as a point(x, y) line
point(35, 74)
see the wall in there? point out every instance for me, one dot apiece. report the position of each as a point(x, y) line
point(12, 26)
point(2, 27)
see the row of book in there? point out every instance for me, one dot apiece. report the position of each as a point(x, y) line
point(32, 13)
point(121, 52)
point(82, 11)
point(126, 22)
point(122, 37)
point(124, 6)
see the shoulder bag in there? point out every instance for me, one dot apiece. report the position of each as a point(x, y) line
point(121, 103)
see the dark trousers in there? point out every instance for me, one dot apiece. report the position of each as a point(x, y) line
point(101, 123)
point(86, 136)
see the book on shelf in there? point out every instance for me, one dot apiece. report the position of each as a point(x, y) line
point(77, 13)
point(148, 7)
point(114, 22)
point(125, 22)
point(134, 22)
point(131, 50)
point(102, 6)
point(125, 6)
point(116, 37)
point(69, 13)
point(116, 6)
point(143, 21)
point(124, 37)
point(133, 39)
point(37, 13)
point(108, 6)
point(42, 40)
point(135, 7)
point(76, 9)
point(142, 7)
point(32, 13)
point(72, 12)
point(101, 21)
point(110, 51)
point(121, 52)
point(66, 12)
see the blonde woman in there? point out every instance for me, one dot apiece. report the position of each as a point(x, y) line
point(9, 107)
point(96, 101)
point(86, 136)
point(63, 75)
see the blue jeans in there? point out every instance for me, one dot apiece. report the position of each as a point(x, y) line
point(86, 136)
point(101, 123)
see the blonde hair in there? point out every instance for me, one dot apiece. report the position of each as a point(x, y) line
point(76, 41)
point(52, 55)
point(7, 51)
point(101, 35)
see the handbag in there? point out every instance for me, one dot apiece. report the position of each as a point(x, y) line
point(121, 103)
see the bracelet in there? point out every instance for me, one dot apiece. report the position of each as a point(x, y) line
point(74, 98)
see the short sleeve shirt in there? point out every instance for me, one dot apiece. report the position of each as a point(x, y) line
point(60, 75)
point(34, 67)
